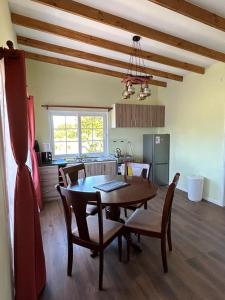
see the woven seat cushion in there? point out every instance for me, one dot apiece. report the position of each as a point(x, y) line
point(109, 229)
point(145, 220)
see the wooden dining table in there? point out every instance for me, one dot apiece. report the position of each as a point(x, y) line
point(138, 190)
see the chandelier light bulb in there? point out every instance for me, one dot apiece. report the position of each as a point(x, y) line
point(142, 94)
point(147, 91)
point(126, 94)
point(131, 89)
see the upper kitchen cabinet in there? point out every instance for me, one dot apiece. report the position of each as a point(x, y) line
point(134, 115)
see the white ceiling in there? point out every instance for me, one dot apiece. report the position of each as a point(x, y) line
point(140, 11)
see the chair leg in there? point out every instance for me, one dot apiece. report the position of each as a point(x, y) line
point(101, 262)
point(169, 236)
point(146, 205)
point(120, 247)
point(163, 253)
point(125, 212)
point(70, 258)
point(128, 237)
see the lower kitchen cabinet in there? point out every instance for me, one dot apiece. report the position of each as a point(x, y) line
point(49, 176)
point(101, 168)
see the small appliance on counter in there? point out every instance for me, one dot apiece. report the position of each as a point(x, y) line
point(118, 153)
point(46, 157)
point(46, 154)
point(123, 152)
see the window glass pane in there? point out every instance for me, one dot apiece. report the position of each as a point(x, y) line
point(72, 148)
point(66, 138)
point(86, 134)
point(86, 121)
point(71, 122)
point(92, 147)
point(97, 134)
point(60, 148)
point(98, 122)
point(59, 135)
point(72, 134)
point(59, 122)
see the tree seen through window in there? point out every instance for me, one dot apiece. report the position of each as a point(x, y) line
point(67, 139)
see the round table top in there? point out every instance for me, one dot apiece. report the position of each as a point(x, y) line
point(138, 190)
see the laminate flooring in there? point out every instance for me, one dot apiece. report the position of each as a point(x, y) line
point(196, 264)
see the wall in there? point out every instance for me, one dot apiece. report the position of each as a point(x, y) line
point(6, 33)
point(195, 119)
point(194, 116)
point(52, 84)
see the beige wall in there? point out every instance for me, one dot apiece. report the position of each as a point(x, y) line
point(195, 119)
point(6, 33)
point(52, 84)
point(194, 116)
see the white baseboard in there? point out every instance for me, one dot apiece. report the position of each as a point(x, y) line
point(214, 201)
point(211, 200)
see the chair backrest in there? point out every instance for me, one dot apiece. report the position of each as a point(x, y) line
point(70, 174)
point(79, 201)
point(67, 212)
point(137, 169)
point(176, 178)
point(168, 202)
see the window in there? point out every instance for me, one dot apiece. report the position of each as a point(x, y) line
point(76, 133)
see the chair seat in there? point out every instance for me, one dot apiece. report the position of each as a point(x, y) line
point(91, 209)
point(145, 220)
point(110, 228)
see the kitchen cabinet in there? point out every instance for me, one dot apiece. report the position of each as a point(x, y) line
point(49, 176)
point(137, 116)
point(101, 168)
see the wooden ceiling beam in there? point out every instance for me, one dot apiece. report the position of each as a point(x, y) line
point(92, 57)
point(194, 12)
point(99, 42)
point(97, 15)
point(76, 65)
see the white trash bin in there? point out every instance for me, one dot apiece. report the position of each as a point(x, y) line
point(195, 188)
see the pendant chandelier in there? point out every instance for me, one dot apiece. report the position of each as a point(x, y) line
point(136, 75)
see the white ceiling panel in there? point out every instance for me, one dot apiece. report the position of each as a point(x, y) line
point(51, 38)
point(75, 59)
point(140, 11)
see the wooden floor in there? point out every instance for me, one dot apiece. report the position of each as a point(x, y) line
point(196, 264)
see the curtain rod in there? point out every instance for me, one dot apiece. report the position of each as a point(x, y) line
point(10, 52)
point(76, 106)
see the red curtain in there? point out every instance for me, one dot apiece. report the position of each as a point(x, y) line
point(30, 274)
point(31, 135)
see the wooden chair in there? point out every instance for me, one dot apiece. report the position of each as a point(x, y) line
point(136, 169)
point(92, 232)
point(153, 224)
point(70, 175)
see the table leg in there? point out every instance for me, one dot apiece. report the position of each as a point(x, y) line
point(113, 213)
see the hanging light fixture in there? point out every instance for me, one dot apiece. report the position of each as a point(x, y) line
point(136, 75)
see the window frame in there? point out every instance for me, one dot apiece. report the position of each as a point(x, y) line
point(79, 114)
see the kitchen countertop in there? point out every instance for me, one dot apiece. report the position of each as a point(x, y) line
point(63, 162)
